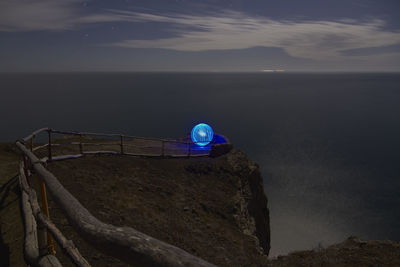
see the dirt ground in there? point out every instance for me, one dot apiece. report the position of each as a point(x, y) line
point(11, 228)
point(185, 202)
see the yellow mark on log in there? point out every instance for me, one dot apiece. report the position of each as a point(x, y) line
point(45, 206)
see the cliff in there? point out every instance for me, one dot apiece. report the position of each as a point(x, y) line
point(214, 208)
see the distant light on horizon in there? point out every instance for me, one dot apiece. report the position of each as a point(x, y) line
point(277, 70)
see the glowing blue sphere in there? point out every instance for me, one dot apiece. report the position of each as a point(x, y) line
point(202, 134)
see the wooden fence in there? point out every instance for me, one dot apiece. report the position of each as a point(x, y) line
point(124, 243)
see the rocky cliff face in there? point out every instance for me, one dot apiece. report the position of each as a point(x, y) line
point(214, 208)
point(252, 203)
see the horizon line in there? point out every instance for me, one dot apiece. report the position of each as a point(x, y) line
point(199, 71)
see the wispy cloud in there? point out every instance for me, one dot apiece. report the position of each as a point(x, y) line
point(39, 15)
point(51, 15)
point(234, 30)
point(320, 40)
point(58, 15)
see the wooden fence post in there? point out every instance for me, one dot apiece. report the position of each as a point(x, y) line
point(122, 144)
point(80, 144)
point(32, 142)
point(49, 145)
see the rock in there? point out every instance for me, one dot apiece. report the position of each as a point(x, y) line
point(352, 252)
point(253, 214)
point(220, 149)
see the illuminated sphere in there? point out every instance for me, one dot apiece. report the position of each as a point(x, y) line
point(202, 134)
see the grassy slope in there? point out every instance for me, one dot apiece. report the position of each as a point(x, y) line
point(11, 229)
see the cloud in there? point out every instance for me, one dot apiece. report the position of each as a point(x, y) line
point(58, 15)
point(51, 15)
point(25, 15)
point(234, 30)
point(367, 51)
point(227, 30)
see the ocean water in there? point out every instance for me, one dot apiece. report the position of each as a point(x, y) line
point(328, 145)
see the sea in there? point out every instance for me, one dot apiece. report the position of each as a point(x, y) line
point(328, 145)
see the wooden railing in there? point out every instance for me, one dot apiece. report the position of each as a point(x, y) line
point(124, 243)
point(115, 144)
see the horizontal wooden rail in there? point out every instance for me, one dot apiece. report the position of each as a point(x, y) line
point(124, 243)
point(82, 134)
point(26, 139)
point(40, 147)
point(101, 144)
point(76, 156)
point(115, 135)
point(107, 135)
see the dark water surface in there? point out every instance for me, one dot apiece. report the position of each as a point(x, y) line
point(328, 144)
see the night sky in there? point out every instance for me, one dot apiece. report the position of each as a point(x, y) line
point(199, 35)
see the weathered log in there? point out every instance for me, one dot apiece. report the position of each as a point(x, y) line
point(41, 229)
point(64, 144)
point(40, 147)
point(49, 261)
point(31, 210)
point(31, 249)
point(67, 245)
point(124, 243)
point(64, 157)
